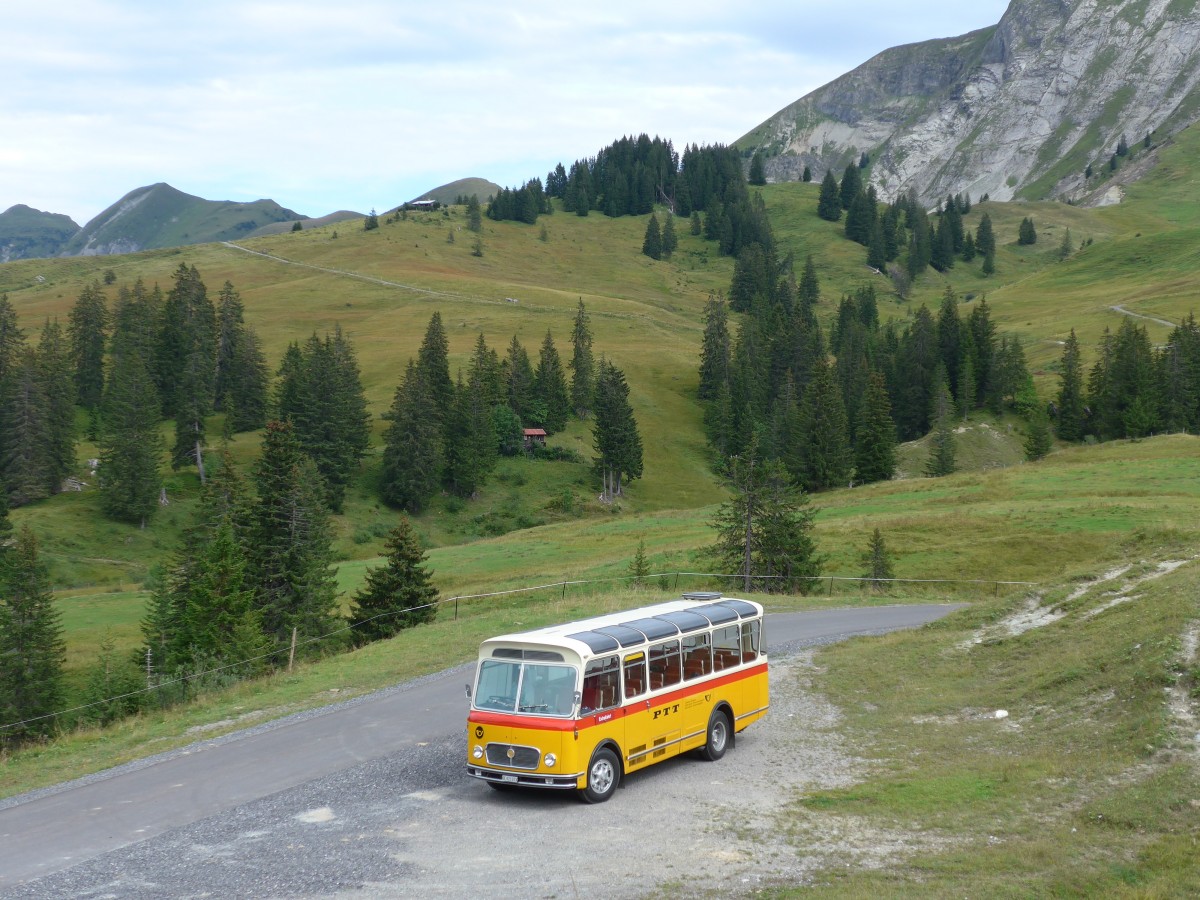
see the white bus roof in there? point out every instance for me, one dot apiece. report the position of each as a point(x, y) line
point(634, 627)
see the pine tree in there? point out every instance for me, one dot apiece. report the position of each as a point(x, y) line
point(1070, 402)
point(474, 214)
point(247, 385)
point(1066, 248)
point(12, 338)
point(371, 222)
point(615, 436)
point(694, 224)
point(875, 438)
point(399, 595)
point(806, 176)
point(878, 561)
point(652, 242)
point(413, 451)
point(550, 387)
point(290, 548)
point(829, 203)
point(1026, 233)
point(32, 651)
point(86, 328)
point(583, 376)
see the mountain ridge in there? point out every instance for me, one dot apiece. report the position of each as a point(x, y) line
point(1017, 111)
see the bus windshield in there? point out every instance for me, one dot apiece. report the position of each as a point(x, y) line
point(533, 688)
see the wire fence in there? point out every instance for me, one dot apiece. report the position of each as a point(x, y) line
point(463, 604)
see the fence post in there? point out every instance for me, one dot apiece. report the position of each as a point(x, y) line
point(830, 585)
point(292, 652)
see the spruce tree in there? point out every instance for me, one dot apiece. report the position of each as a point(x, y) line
point(1069, 404)
point(714, 349)
point(825, 459)
point(878, 561)
point(87, 330)
point(413, 451)
point(985, 237)
point(670, 241)
point(1026, 233)
point(290, 549)
point(639, 566)
point(851, 186)
point(25, 465)
point(1038, 440)
point(757, 174)
point(187, 347)
point(875, 438)
point(550, 387)
point(32, 650)
point(247, 385)
point(765, 528)
point(12, 338)
point(829, 202)
point(130, 443)
point(583, 376)
point(398, 595)
point(806, 176)
point(519, 387)
point(433, 361)
point(471, 449)
point(941, 442)
point(652, 242)
point(615, 435)
point(58, 390)
point(474, 214)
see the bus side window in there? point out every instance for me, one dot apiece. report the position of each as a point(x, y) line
point(750, 640)
point(599, 685)
point(666, 666)
point(697, 656)
point(635, 674)
point(726, 648)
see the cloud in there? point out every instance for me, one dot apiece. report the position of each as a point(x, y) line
point(360, 103)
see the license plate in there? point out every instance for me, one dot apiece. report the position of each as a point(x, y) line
point(511, 778)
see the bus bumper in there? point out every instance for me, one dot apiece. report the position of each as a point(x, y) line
point(525, 779)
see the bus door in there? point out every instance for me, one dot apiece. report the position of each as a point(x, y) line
point(600, 703)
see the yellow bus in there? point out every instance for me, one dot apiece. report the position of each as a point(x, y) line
point(579, 706)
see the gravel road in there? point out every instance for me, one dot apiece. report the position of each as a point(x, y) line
point(411, 823)
point(414, 825)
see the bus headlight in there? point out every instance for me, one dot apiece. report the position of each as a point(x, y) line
point(477, 752)
point(551, 759)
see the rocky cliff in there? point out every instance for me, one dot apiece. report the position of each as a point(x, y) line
point(1018, 110)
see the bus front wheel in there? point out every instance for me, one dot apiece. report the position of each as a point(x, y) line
point(719, 735)
point(603, 775)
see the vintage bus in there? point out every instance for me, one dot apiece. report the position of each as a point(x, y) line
point(579, 706)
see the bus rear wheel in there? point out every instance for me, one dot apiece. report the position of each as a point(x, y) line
point(719, 736)
point(603, 776)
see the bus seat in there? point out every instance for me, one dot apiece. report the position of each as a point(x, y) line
point(656, 680)
point(589, 698)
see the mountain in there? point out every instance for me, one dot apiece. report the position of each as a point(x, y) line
point(161, 216)
point(280, 227)
point(26, 232)
point(1019, 110)
point(464, 187)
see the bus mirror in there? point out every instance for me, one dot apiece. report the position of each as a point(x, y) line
point(468, 687)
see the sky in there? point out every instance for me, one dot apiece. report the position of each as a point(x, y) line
point(360, 104)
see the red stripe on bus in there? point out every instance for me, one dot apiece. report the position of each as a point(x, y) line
point(543, 723)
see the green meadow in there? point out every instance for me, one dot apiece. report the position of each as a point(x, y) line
point(1090, 794)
